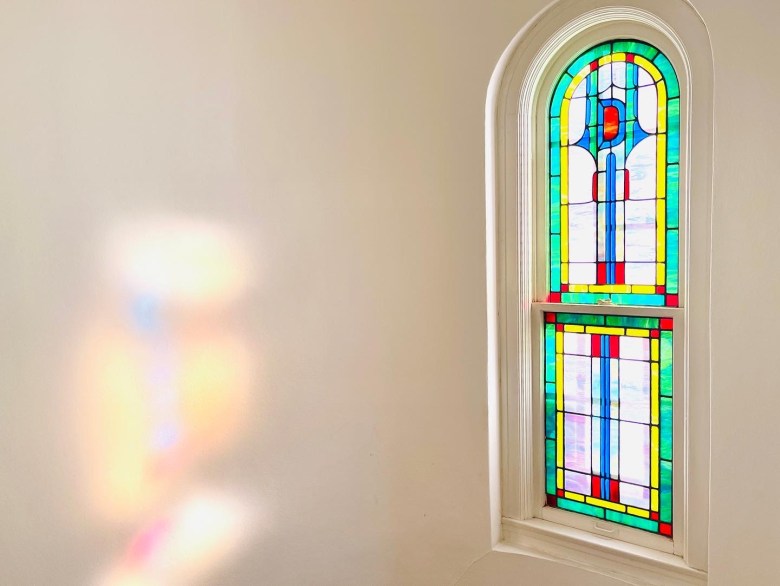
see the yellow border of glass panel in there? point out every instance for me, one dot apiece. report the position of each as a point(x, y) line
point(592, 500)
point(655, 456)
point(654, 392)
point(574, 329)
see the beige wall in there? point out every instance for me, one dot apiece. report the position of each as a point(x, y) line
point(341, 144)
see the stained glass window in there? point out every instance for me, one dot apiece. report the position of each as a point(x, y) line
point(608, 417)
point(614, 138)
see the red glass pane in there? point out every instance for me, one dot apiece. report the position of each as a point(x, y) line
point(595, 486)
point(611, 122)
point(595, 345)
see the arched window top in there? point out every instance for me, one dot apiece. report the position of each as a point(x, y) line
point(614, 139)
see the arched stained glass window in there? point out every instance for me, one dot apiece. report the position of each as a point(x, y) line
point(614, 178)
point(614, 136)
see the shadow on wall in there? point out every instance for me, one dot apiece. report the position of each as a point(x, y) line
point(164, 373)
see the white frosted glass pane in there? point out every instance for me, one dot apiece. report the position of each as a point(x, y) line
point(634, 496)
point(605, 76)
point(582, 273)
point(576, 482)
point(619, 150)
point(581, 169)
point(619, 94)
point(641, 165)
point(576, 453)
point(620, 233)
point(595, 387)
point(619, 74)
point(576, 384)
point(614, 452)
point(634, 390)
point(576, 119)
point(614, 388)
point(640, 230)
point(634, 348)
point(635, 453)
point(602, 158)
point(576, 343)
point(595, 451)
point(640, 273)
point(602, 233)
point(647, 108)
point(644, 77)
point(582, 232)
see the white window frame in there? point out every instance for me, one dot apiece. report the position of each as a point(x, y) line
point(516, 174)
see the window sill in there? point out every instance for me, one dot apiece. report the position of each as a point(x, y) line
point(632, 563)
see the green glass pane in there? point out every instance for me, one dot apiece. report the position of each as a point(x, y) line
point(555, 151)
point(587, 298)
point(673, 259)
point(666, 428)
point(549, 352)
point(673, 146)
point(666, 492)
point(632, 322)
point(580, 318)
point(594, 145)
point(673, 196)
point(550, 465)
point(673, 109)
point(632, 521)
point(555, 263)
point(549, 410)
point(636, 47)
point(588, 56)
point(667, 356)
point(670, 77)
point(581, 508)
point(637, 299)
point(560, 90)
point(555, 205)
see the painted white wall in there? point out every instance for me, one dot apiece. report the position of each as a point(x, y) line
point(343, 142)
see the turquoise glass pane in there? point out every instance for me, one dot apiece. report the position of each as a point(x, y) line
point(580, 319)
point(555, 263)
point(588, 56)
point(637, 47)
point(549, 404)
point(637, 299)
point(550, 468)
point(584, 508)
point(549, 353)
point(667, 355)
point(632, 322)
point(670, 77)
point(587, 298)
point(673, 147)
point(666, 492)
point(673, 196)
point(555, 142)
point(666, 428)
point(560, 90)
point(555, 205)
point(673, 260)
point(632, 521)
